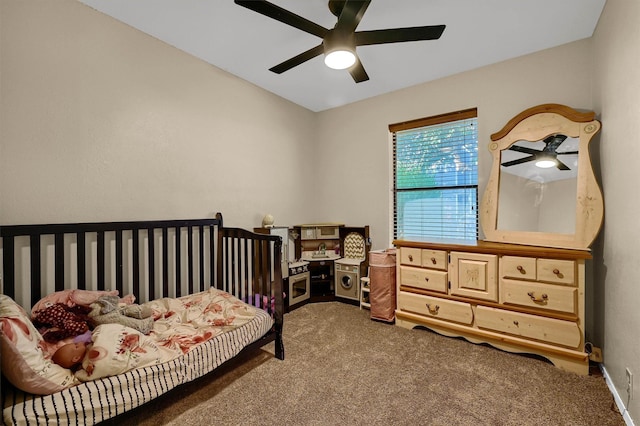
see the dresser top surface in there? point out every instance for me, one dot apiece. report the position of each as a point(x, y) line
point(479, 246)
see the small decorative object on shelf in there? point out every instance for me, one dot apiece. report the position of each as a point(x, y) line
point(267, 221)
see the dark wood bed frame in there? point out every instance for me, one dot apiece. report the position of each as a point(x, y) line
point(235, 260)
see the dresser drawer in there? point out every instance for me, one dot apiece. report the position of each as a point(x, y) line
point(557, 271)
point(521, 268)
point(549, 330)
point(435, 259)
point(427, 279)
point(449, 310)
point(411, 256)
point(542, 296)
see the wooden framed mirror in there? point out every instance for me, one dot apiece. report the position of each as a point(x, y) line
point(559, 205)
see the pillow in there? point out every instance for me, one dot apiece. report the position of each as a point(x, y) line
point(24, 362)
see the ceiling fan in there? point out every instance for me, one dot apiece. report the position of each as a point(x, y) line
point(545, 158)
point(339, 43)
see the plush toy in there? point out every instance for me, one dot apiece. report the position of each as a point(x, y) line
point(106, 310)
point(59, 321)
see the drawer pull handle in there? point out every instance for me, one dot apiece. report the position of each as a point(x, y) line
point(433, 260)
point(434, 310)
point(558, 273)
point(541, 299)
point(410, 258)
point(521, 269)
point(515, 323)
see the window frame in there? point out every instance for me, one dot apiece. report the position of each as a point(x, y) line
point(415, 124)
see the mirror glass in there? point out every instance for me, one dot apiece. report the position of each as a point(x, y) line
point(538, 185)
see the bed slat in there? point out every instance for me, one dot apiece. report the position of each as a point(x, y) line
point(119, 263)
point(59, 261)
point(165, 264)
point(101, 262)
point(201, 254)
point(8, 262)
point(81, 259)
point(190, 259)
point(213, 242)
point(135, 267)
point(178, 275)
point(151, 264)
point(36, 293)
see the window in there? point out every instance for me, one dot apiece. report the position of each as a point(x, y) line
point(435, 172)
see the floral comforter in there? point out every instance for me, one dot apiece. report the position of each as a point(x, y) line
point(179, 325)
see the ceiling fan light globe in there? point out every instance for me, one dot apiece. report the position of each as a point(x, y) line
point(545, 164)
point(340, 59)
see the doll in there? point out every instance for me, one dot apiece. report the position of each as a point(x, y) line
point(70, 355)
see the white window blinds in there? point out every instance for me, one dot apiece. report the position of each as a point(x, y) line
point(435, 167)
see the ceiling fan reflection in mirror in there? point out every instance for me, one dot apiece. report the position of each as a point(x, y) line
point(339, 43)
point(545, 158)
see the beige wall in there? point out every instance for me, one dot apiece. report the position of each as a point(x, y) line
point(617, 96)
point(101, 122)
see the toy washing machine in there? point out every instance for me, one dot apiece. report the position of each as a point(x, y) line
point(347, 269)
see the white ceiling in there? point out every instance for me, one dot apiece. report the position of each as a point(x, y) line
point(247, 44)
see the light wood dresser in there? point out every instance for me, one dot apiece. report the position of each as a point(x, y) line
point(518, 298)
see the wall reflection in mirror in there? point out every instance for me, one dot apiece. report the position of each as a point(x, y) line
point(538, 185)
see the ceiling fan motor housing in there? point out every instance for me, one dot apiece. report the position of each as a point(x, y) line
point(339, 40)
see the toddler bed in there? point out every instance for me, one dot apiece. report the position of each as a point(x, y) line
point(195, 275)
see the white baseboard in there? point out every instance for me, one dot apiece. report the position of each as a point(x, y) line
point(616, 397)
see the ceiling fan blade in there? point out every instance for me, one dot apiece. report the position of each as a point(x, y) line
point(524, 149)
point(351, 15)
point(298, 59)
point(396, 35)
point(358, 73)
point(279, 14)
point(519, 161)
point(561, 166)
point(567, 153)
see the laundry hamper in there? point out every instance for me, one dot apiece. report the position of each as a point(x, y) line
point(382, 276)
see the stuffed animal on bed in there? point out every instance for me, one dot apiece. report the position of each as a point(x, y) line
point(106, 310)
point(59, 321)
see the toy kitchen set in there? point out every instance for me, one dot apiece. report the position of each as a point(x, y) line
point(322, 261)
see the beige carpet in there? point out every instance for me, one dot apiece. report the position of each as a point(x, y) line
point(343, 368)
